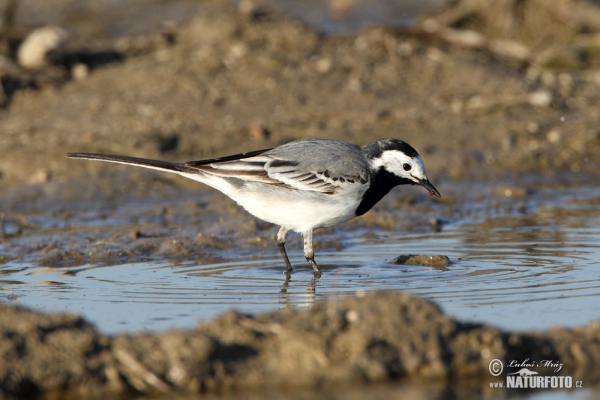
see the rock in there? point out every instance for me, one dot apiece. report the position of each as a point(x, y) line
point(40, 176)
point(540, 98)
point(554, 136)
point(33, 52)
point(438, 261)
point(80, 71)
point(324, 65)
point(511, 191)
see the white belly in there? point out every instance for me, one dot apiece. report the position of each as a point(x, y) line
point(296, 210)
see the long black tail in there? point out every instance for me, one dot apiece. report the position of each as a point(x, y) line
point(141, 162)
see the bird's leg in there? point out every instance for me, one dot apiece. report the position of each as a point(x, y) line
point(309, 253)
point(281, 236)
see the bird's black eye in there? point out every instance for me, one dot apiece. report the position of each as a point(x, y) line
point(407, 167)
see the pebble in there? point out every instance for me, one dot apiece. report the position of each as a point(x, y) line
point(511, 191)
point(80, 71)
point(553, 136)
point(324, 65)
point(36, 46)
point(438, 261)
point(40, 176)
point(540, 98)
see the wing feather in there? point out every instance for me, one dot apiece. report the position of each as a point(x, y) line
point(294, 166)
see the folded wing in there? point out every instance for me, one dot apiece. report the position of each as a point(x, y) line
point(323, 166)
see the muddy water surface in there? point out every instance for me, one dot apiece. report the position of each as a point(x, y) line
point(530, 266)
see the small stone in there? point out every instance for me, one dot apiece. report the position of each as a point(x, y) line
point(540, 98)
point(352, 316)
point(33, 52)
point(511, 191)
point(438, 261)
point(324, 65)
point(554, 136)
point(80, 71)
point(238, 50)
point(40, 176)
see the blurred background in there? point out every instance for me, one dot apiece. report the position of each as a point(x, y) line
point(505, 85)
point(500, 97)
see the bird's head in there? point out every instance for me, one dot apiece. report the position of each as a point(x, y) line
point(401, 162)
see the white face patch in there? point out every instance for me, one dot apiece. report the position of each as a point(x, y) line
point(400, 164)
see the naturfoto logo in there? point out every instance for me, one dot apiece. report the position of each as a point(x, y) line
point(525, 377)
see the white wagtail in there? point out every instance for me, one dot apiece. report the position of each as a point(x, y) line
point(302, 185)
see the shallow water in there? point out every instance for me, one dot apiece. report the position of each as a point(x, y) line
point(529, 268)
point(116, 18)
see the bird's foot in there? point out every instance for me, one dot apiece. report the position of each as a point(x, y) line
point(314, 266)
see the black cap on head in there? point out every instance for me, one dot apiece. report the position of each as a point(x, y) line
point(375, 149)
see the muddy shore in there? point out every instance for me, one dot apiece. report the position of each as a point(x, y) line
point(509, 108)
point(379, 337)
point(233, 80)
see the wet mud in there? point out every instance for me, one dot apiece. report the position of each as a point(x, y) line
point(383, 336)
point(501, 102)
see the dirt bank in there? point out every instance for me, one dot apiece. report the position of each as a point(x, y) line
point(380, 337)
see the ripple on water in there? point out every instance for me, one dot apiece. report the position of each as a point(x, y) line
point(515, 271)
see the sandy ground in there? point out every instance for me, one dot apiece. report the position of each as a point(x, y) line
point(480, 101)
point(234, 81)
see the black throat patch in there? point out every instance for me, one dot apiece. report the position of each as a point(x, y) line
point(381, 184)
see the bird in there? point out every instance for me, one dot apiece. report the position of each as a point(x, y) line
point(301, 185)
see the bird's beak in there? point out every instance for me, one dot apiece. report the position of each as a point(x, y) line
point(427, 185)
